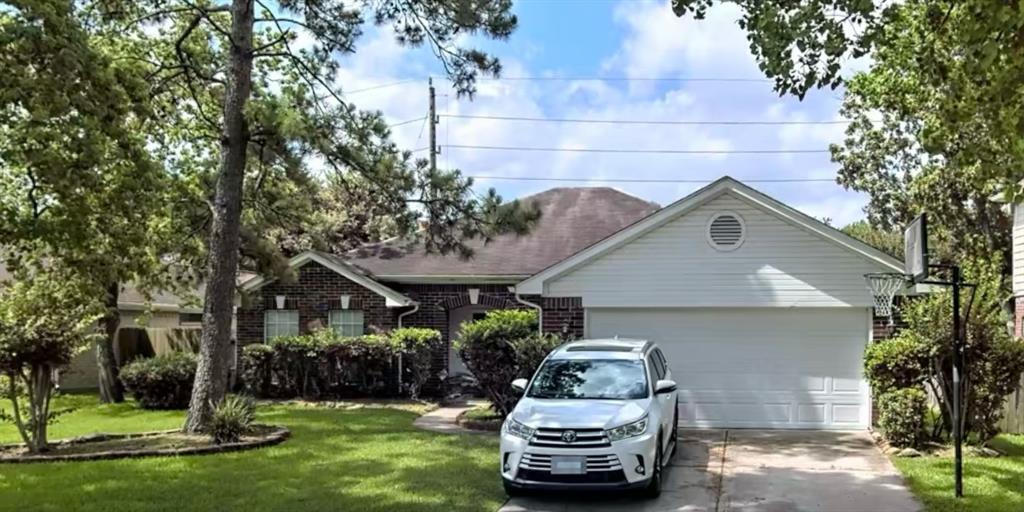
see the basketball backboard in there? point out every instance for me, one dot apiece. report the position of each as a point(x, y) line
point(915, 245)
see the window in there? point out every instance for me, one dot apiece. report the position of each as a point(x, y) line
point(347, 322)
point(659, 371)
point(660, 358)
point(190, 318)
point(280, 322)
point(598, 379)
point(726, 231)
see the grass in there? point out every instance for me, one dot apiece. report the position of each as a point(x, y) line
point(482, 412)
point(989, 483)
point(361, 458)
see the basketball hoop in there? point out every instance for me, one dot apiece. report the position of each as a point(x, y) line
point(883, 286)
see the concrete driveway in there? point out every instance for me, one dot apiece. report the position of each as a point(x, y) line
point(760, 471)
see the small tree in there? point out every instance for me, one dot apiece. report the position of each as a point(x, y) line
point(45, 320)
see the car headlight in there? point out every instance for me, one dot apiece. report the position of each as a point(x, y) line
point(517, 429)
point(628, 430)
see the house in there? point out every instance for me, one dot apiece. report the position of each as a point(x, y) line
point(148, 325)
point(761, 310)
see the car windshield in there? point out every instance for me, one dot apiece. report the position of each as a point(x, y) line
point(610, 379)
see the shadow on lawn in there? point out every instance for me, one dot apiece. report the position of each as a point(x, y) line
point(365, 459)
point(989, 483)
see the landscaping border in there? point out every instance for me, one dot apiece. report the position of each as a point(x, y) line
point(277, 436)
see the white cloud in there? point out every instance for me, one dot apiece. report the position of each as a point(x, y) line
point(655, 44)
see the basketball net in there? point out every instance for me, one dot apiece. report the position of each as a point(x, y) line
point(883, 288)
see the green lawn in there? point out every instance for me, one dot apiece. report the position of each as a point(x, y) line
point(989, 483)
point(337, 459)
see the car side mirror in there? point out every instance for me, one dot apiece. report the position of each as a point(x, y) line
point(520, 385)
point(664, 386)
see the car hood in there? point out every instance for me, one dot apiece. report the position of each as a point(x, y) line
point(553, 413)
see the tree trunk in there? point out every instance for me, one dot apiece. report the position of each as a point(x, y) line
point(111, 390)
point(212, 371)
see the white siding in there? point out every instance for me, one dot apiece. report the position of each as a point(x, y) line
point(756, 367)
point(779, 264)
point(1018, 250)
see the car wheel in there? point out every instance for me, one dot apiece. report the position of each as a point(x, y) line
point(653, 489)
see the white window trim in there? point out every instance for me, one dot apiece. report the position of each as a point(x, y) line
point(277, 323)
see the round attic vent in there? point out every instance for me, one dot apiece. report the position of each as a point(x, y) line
point(726, 231)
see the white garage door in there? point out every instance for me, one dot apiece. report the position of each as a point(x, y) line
point(757, 368)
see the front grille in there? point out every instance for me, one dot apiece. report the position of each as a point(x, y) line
point(584, 438)
point(599, 477)
point(595, 463)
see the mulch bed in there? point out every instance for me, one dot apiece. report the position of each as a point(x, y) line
point(144, 444)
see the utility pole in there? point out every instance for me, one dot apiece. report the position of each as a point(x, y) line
point(433, 128)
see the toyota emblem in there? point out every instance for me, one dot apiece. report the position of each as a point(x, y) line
point(569, 436)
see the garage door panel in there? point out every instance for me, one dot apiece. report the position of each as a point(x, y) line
point(765, 367)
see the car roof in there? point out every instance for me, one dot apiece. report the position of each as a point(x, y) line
point(608, 348)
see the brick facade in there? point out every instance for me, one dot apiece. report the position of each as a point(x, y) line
point(315, 292)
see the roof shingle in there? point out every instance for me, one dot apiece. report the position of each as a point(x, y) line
point(571, 219)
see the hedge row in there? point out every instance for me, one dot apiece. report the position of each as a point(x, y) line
point(324, 364)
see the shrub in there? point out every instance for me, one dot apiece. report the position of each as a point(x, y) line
point(232, 418)
point(324, 364)
point(902, 414)
point(161, 382)
point(416, 347)
point(500, 348)
point(531, 351)
point(257, 369)
point(901, 362)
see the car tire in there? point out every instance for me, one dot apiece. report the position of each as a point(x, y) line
point(510, 490)
point(653, 489)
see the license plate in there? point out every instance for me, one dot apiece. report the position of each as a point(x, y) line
point(568, 465)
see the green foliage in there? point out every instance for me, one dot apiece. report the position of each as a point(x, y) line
point(897, 363)
point(890, 242)
point(161, 382)
point(232, 419)
point(417, 347)
point(323, 364)
point(45, 319)
point(922, 355)
point(936, 119)
point(257, 372)
point(501, 347)
point(901, 414)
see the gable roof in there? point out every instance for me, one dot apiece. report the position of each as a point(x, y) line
point(393, 298)
point(572, 218)
point(535, 284)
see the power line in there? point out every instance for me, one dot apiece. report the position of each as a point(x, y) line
point(636, 121)
point(379, 86)
point(623, 79)
point(659, 151)
point(666, 180)
point(409, 121)
point(639, 180)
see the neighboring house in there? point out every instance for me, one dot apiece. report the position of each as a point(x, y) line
point(761, 310)
point(1017, 263)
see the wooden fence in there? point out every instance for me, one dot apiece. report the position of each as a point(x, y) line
point(1013, 412)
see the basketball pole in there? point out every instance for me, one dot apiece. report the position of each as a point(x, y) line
point(956, 283)
point(958, 363)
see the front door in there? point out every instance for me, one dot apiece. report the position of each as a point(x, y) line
point(456, 318)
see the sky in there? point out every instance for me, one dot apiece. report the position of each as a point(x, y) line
point(613, 40)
